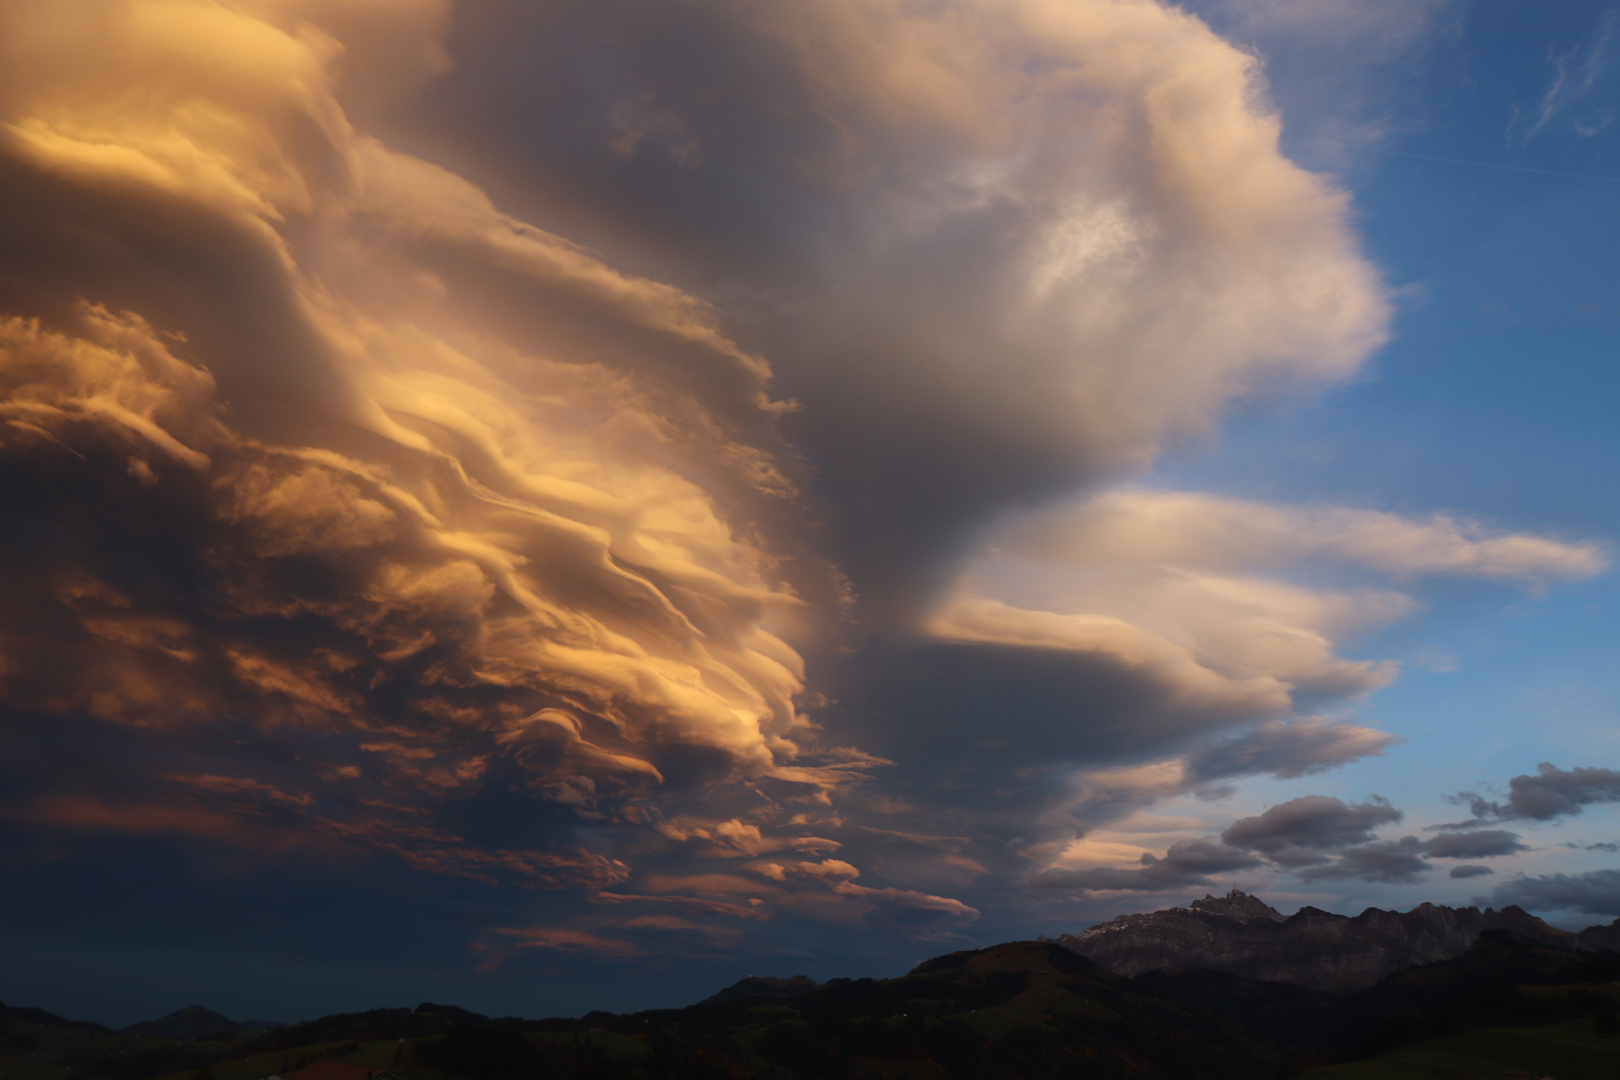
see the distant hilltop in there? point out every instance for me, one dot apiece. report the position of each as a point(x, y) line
point(1242, 935)
point(195, 1023)
point(755, 986)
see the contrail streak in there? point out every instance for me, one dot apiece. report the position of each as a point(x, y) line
point(1505, 168)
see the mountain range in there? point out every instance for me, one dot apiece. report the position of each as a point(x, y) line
point(1223, 989)
point(1242, 935)
point(190, 1024)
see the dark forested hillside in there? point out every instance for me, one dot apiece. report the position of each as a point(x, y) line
point(1020, 1010)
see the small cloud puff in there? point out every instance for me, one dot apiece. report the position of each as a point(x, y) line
point(1391, 861)
point(1475, 845)
point(1596, 892)
point(1546, 795)
point(1297, 831)
point(1185, 863)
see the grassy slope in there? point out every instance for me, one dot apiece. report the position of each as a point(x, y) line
point(1567, 1051)
point(377, 1053)
point(53, 1046)
point(1037, 1004)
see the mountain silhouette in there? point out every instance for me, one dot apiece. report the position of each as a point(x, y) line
point(195, 1022)
point(1241, 935)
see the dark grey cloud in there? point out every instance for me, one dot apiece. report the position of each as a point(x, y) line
point(1298, 831)
point(1546, 795)
point(1014, 733)
point(1474, 845)
point(1470, 870)
point(1391, 861)
point(1596, 892)
point(1185, 863)
point(1288, 749)
point(1327, 839)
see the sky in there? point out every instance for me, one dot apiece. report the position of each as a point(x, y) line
point(546, 505)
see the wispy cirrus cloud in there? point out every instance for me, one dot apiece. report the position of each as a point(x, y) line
point(1576, 93)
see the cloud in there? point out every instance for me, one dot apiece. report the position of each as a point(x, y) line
point(1596, 892)
point(1296, 832)
point(1468, 871)
point(1377, 21)
point(1187, 594)
point(1030, 747)
point(448, 504)
point(1341, 70)
point(827, 891)
point(689, 906)
point(1096, 798)
point(1391, 861)
point(1576, 91)
point(1185, 863)
point(291, 489)
point(994, 623)
point(1327, 839)
point(623, 479)
point(1475, 845)
point(900, 195)
point(1190, 591)
point(1289, 749)
point(559, 939)
point(1223, 534)
point(736, 838)
point(1316, 836)
point(1548, 794)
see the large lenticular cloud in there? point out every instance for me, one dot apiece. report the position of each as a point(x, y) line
point(274, 482)
point(473, 507)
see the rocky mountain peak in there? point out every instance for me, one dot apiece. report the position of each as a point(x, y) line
point(1242, 935)
point(1237, 905)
